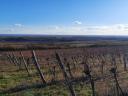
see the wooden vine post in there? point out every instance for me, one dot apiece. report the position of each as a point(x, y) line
point(118, 88)
point(125, 61)
point(25, 64)
point(88, 73)
point(15, 60)
point(68, 83)
point(68, 67)
point(9, 59)
point(38, 66)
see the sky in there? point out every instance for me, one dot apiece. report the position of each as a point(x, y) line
point(64, 17)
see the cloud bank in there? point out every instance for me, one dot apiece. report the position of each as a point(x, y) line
point(115, 29)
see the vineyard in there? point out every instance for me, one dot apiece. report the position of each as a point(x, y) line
point(90, 71)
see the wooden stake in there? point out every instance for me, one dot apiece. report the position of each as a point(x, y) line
point(38, 66)
point(25, 64)
point(69, 84)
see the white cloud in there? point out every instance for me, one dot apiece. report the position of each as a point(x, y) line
point(18, 25)
point(78, 22)
point(116, 29)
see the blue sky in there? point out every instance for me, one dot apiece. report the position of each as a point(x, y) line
point(64, 17)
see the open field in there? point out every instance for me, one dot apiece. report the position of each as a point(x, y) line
point(82, 68)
